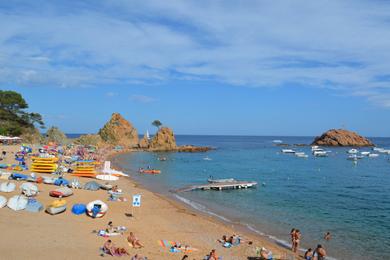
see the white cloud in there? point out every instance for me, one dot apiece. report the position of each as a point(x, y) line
point(142, 99)
point(343, 45)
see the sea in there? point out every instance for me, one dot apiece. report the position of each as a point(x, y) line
point(315, 195)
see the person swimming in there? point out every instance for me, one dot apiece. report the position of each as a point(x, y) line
point(327, 236)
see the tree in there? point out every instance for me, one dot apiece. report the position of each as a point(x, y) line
point(157, 123)
point(13, 119)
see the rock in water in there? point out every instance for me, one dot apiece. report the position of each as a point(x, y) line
point(164, 140)
point(119, 131)
point(341, 137)
point(144, 143)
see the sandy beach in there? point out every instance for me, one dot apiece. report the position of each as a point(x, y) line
point(67, 236)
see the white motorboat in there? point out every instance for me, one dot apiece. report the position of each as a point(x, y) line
point(288, 151)
point(365, 153)
point(354, 157)
point(301, 155)
point(320, 154)
point(352, 151)
point(373, 155)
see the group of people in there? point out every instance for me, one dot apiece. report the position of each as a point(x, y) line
point(318, 254)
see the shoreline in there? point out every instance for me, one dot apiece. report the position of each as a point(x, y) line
point(278, 246)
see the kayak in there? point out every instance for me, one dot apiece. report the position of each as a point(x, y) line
point(61, 192)
point(150, 171)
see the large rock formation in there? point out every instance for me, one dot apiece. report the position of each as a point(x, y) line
point(144, 142)
point(164, 140)
point(119, 131)
point(193, 149)
point(341, 137)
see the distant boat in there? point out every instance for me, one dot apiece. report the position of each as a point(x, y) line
point(207, 158)
point(373, 155)
point(354, 157)
point(147, 135)
point(288, 151)
point(211, 180)
point(365, 153)
point(316, 148)
point(352, 151)
point(301, 155)
point(277, 141)
point(320, 154)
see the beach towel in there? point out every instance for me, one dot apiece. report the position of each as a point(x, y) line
point(175, 247)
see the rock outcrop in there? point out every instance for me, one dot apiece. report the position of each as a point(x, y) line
point(193, 149)
point(164, 140)
point(341, 137)
point(119, 131)
point(144, 143)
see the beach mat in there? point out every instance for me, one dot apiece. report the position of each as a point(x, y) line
point(169, 244)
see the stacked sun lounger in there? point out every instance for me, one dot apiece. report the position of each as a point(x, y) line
point(44, 165)
point(85, 170)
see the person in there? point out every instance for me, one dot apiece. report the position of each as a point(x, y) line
point(292, 235)
point(319, 253)
point(297, 240)
point(134, 241)
point(308, 254)
point(265, 253)
point(212, 255)
point(110, 227)
point(108, 247)
point(327, 236)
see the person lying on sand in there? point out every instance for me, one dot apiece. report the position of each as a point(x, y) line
point(233, 240)
point(109, 248)
point(134, 241)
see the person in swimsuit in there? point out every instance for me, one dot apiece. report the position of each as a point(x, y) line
point(297, 240)
point(319, 253)
point(292, 235)
point(134, 241)
point(309, 254)
point(213, 255)
point(327, 236)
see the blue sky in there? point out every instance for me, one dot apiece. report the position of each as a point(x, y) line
point(202, 67)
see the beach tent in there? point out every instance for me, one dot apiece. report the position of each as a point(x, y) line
point(33, 205)
point(92, 185)
point(79, 209)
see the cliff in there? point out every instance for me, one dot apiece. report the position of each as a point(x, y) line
point(164, 140)
point(119, 131)
point(341, 137)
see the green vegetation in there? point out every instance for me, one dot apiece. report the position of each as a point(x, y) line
point(54, 134)
point(157, 123)
point(14, 120)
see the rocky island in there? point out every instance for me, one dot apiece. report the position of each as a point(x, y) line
point(341, 137)
point(120, 132)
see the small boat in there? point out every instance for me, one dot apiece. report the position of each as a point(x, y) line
point(207, 159)
point(277, 141)
point(373, 155)
point(106, 186)
point(61, 192)
point(320, 154)
point(211, 180)
point(354, 157)
point(97, 208)
point(288, 151)
point(7, 187)
point(149, 171)
point(17, 202)
point(365, 153)
point(377, 149)
point(107, 177)
point(56, 207)
point(301, 155)
point(29, 189)
point(352, 151)
point(3, 201)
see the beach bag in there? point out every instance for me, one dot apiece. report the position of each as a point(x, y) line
point(79, 209)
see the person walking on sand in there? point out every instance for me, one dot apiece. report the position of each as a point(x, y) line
point(292, 235)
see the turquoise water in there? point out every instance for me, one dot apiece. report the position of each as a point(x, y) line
point(314, 195)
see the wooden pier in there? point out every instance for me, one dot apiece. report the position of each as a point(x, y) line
point(220, 186)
